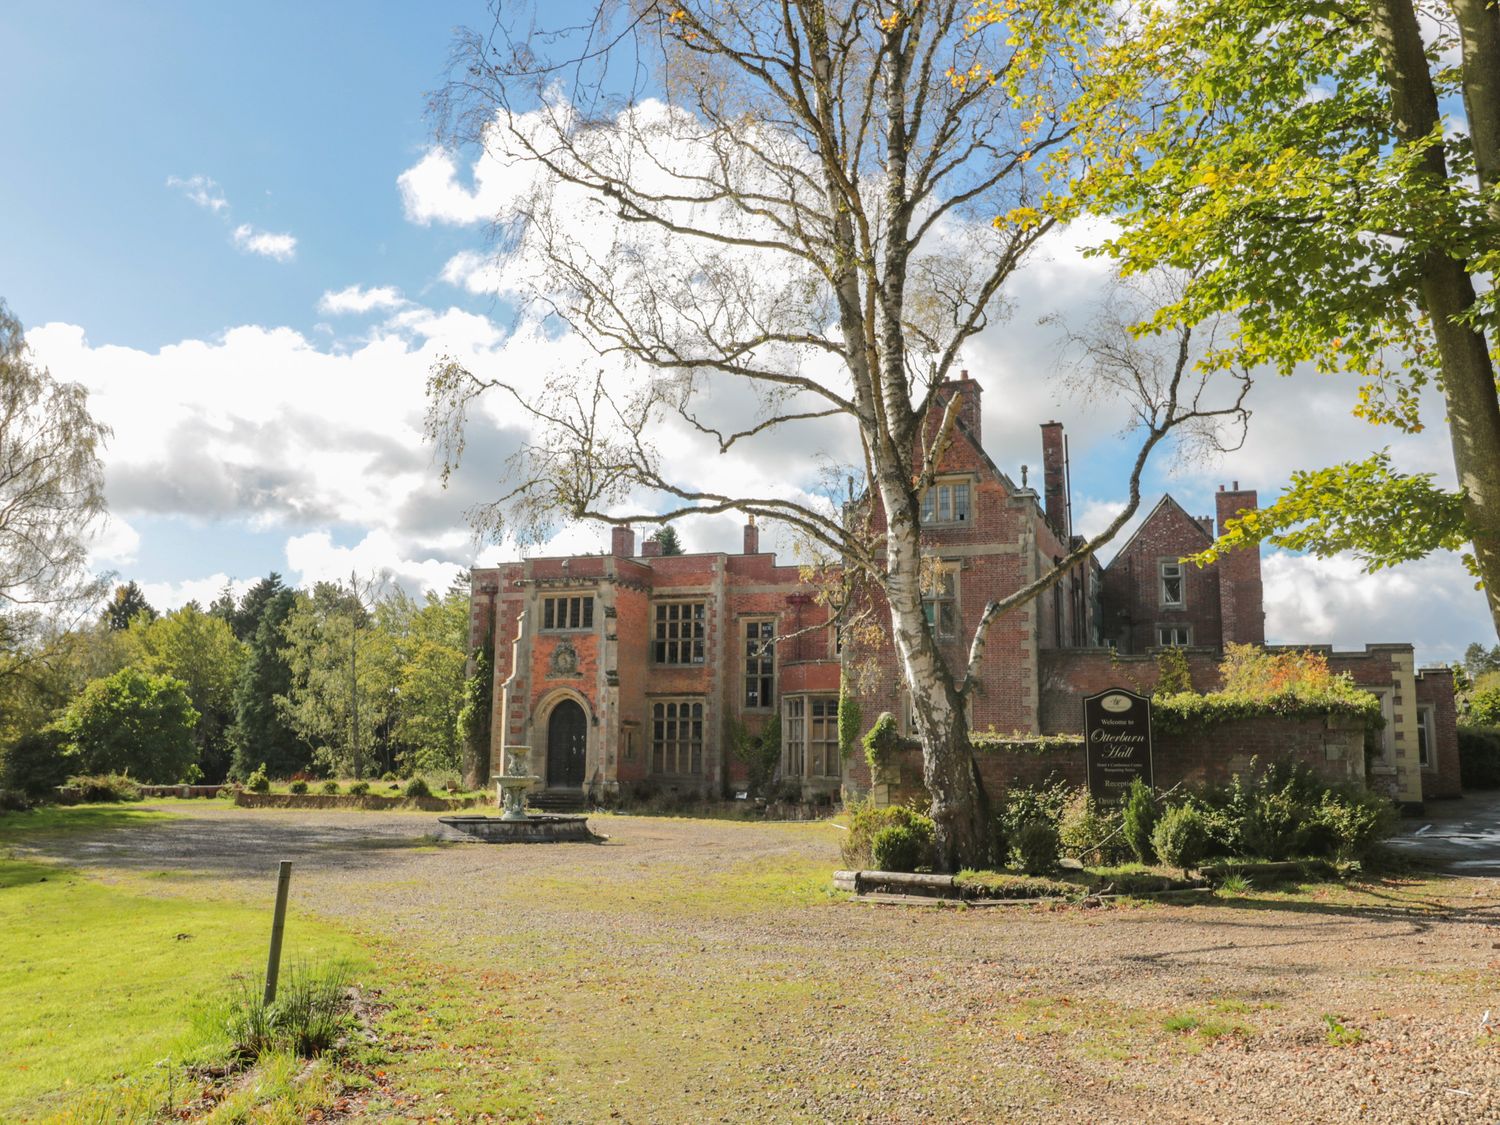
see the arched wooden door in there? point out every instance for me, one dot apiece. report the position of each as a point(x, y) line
point(567, 745)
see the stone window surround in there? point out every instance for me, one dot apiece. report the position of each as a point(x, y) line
point(948, 592)
point(801, 753)
point(1163, 577)
point(686, 632)
point(576, 610)
point(953, 493)
point(677, 725)
point(759, 671)
point(1185, 630)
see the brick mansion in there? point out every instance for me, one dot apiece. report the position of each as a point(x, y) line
point(625, 669)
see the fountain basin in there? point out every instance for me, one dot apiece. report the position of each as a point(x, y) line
point(537, 828)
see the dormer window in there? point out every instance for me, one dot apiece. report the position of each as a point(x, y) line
point(946, 503)
point(1171, 584)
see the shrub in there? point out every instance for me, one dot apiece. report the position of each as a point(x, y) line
point(1138, 817)
point(1172, 672)
point(1181, 837)
point(358, 788)
point(258, 782)
point(1483, 708)
point(389, 776)
point(902, 847)
point(416, 787)
point(1275, 825)
point(1092, 834)
point(134, 722)
point(105, 787)
point(866, 821)
point(1026, 803)
point(310, 1012)
point(13, 800)
point(330, 787)
point(35, 762)
point(1037, 846)
point(1354, 821)
point(881, 740)
point(1479, 757)
point(299, 787)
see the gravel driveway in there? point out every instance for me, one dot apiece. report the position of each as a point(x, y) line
point(700, 970)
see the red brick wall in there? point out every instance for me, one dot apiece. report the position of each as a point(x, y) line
point(1132, 584)
point(1441, 778)
point(1241, 593)
point(1068, 675)
point(1332, 749)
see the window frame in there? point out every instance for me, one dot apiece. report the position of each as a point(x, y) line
point(1185, 630)
point(759, 666)
point(945, 571)
point(804, 756)
point(947, 488)
point(669, 745)
point(1161, 583)
point(1426, 732)
point(695, 639)
point(584, 603)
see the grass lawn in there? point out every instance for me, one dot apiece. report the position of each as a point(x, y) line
point(100, 980)
point(705, 970)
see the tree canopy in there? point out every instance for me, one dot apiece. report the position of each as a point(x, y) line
point(1329, 174)
point(132, 722)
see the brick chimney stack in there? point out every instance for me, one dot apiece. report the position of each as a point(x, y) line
point(1055, 479)
point(651, 548)
point(622, 542)
point(1241, 593)
point(968, 407)
point(752, 537)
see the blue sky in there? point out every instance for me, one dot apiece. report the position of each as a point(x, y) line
point(229, 222)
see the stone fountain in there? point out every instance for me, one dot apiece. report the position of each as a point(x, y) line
point(515, 825)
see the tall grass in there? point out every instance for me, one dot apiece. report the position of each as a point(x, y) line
point(309, 1014)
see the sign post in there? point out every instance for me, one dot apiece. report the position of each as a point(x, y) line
point(1117, 743)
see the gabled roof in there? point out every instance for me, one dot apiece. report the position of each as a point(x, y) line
point(1163, 508)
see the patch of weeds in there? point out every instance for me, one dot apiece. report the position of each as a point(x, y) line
point(1234, 885)
point(1340, 1034)
point(1205, 1028)
point(310, 1012)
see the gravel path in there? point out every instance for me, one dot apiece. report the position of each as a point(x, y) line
point(700, 970)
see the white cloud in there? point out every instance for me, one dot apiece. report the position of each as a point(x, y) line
point(1431, 603)
point(165, 596)
point(113, 544)
point(281, 247)
point(355, 300)
point(201, 190)
point(315, 558)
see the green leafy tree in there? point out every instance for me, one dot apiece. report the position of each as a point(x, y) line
point(261, 731)
point(127, 603)
point(430, 689)
point(1330, 175)
point(667, 538)
point(344, 673)
point(132, 722)
point(201, 651)
point(51, 496)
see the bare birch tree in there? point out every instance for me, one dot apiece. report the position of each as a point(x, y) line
point(763, 215)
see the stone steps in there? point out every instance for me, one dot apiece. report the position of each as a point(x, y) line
point(557, 800)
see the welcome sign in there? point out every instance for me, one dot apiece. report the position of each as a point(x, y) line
point(1117, 741)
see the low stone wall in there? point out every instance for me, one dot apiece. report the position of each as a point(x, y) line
point(247, 800)
point(1332, 748)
